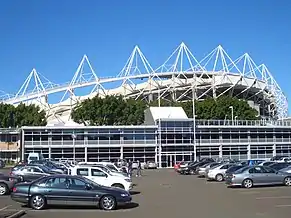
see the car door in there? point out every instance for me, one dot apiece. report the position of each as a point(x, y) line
point(99, 176)
point(258, 175)
point(57, 191)
point(272, 177)
point(81, 193)
point(28, 174)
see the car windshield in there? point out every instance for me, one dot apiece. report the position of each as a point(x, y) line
point(105, 169)
point(112, 168)
point(44, 169)
point(217, 165)
point(33, 158)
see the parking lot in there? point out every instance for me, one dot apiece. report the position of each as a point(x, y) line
point(164, 193)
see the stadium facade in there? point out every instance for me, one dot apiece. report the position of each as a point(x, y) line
point(163, 139)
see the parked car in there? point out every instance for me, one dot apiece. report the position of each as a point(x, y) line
point(231, 170)
point(30, 173)
point(279, 166)
point(218, 172)
point(66, 190)
point(151, 165)
point(102, 177)
point(192, 167)
point(250, 176)
point(203, 169)
point(181, 164)
point(49, 165)
point(278, 157)
point(110, 171)
point(7, 183)
point(2, 163)
point(284, 159)
point(267, 163)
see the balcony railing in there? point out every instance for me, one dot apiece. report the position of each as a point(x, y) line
point(242, 123)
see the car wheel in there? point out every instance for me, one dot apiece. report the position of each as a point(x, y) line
point(108, 202)
point(3, 189)
point(247, 183)
point(37, 202)
point(287, 181)
point(219, 178)
point(192, 172)
point(118, 186)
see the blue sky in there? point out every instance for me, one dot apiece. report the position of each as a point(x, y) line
point(52, 36)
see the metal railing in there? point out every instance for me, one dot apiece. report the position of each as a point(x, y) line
point(242, 123)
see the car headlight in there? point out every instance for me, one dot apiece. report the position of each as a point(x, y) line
point(128, 180)
point(124, 195)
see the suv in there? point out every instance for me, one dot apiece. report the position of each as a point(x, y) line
point(102, 177)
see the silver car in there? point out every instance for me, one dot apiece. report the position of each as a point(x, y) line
point(203, 169)
point(250, 176)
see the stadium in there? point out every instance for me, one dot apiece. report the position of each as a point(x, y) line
point(180, 78)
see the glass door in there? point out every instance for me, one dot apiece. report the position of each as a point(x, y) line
point(171, 160)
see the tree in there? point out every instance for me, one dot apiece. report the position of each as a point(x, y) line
point(110, 110)
point(22, 115)
point(218, 109)
point(115, 110)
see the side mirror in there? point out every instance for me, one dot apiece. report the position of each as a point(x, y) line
point(88, 187)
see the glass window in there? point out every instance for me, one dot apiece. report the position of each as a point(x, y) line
point(224, 167)
point(82, 172)
point(256, 170)
point(56, 183)
point(36, 170)
point(97, 172)
point(76, 183)
point(269, 170)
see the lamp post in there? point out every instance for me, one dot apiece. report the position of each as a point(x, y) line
point(74, 147)
point(231, 107)
point(194, 119)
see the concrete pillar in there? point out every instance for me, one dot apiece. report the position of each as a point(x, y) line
point(220, 151)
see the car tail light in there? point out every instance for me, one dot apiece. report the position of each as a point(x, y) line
point(14, 189)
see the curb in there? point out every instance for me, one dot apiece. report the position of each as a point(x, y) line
point(17, 214)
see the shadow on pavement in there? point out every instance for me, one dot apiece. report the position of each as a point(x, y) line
point(134, 192)
point(84, 207)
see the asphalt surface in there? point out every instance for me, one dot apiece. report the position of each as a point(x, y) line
point(165, 194)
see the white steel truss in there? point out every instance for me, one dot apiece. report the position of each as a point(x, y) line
point(215, 75)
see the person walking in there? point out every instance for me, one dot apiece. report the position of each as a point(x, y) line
point(138, 172)
point(129, 169)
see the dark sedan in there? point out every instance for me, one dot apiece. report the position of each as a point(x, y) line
point(191, 168)
point(68, 190)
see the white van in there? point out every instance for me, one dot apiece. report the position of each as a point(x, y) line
point(101, 177)
point(34, 157)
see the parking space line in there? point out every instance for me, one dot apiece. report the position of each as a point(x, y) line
point(249, 192)
point(286, 205)
point(273, 197)
point(4, 208)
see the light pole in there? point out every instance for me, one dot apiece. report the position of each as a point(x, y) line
point(160, 144)
point(231, 107)
point(74, 147)
point(194, 121)
point(235, 120)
